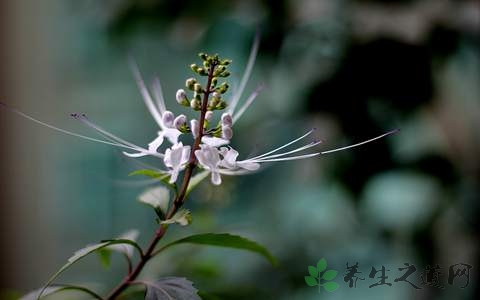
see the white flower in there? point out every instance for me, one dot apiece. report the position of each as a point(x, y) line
point(160, 114)
point(176, 159)
point(209, 158)
point(224, 161)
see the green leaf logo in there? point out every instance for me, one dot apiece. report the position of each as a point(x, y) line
point(321, 277)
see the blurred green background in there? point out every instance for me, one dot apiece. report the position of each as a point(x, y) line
point(352, 69)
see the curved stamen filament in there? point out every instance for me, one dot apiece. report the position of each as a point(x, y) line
point(248, 102)
point(112, 143)
point(361, 143)
point(308, 146)
point(284, 146)
point(147, 99)
point(83, 118)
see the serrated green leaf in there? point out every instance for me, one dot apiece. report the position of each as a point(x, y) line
point(311, 281)
point(313, 271)
point(182, 217)
point(157, 197)
point(195, 180)
point(33, 295)
point(177, 288)
point(224, 240)
point(329, 275)
point(81, 254)
point(321, 265)
point(330, 286)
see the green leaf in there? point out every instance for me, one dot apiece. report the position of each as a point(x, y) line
point(195, 180)
point(224, 240)
point(313, 271)
point(330, 286)
point(182, 217)
point(125, 249)
point(81, 254)
point(56, 289)
point(321, 265)
point(177, 288)
point(163, 177)
point(329, 275)
point(157, 197)
point(104, 255)
point(311, 281)
point(149, 173)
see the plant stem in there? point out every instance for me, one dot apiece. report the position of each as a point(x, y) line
point(177, 203)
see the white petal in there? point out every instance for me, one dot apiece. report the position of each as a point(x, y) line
point(195, 128)
point(171, 134)
point(216, 178)
point(153, 146)
point(174, 175)
point(214, 141)
point(251, 166)
point(167, 118)
point(140, 154)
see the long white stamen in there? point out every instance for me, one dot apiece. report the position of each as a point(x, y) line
point(246, 74)
point(284, 146)
point(361, 143)
point(147, 99)
point(63, 130)
point(83, 118)
point(158, 95)
point(234, 172)
point(282, 159)
point(247, 103)
point(313, 144)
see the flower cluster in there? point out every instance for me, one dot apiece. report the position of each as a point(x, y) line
point(211, 149)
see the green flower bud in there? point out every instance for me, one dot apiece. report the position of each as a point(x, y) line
point(197, 88)
point(226, 62)
point(224, 74)
point(196, 105)
point(197, 97)
point(202, 72)
point(214, 82)
point(194, 68)
point(222, 89)
point(219, 70)
point(190, 83)
point(221, 105)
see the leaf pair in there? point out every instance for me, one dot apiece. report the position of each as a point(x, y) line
point(169, 285)
point(316, 276)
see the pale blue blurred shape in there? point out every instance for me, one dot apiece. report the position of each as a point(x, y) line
point(400, 200)
point(315, 209)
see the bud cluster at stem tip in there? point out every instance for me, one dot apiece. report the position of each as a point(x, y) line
point(214, 69)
